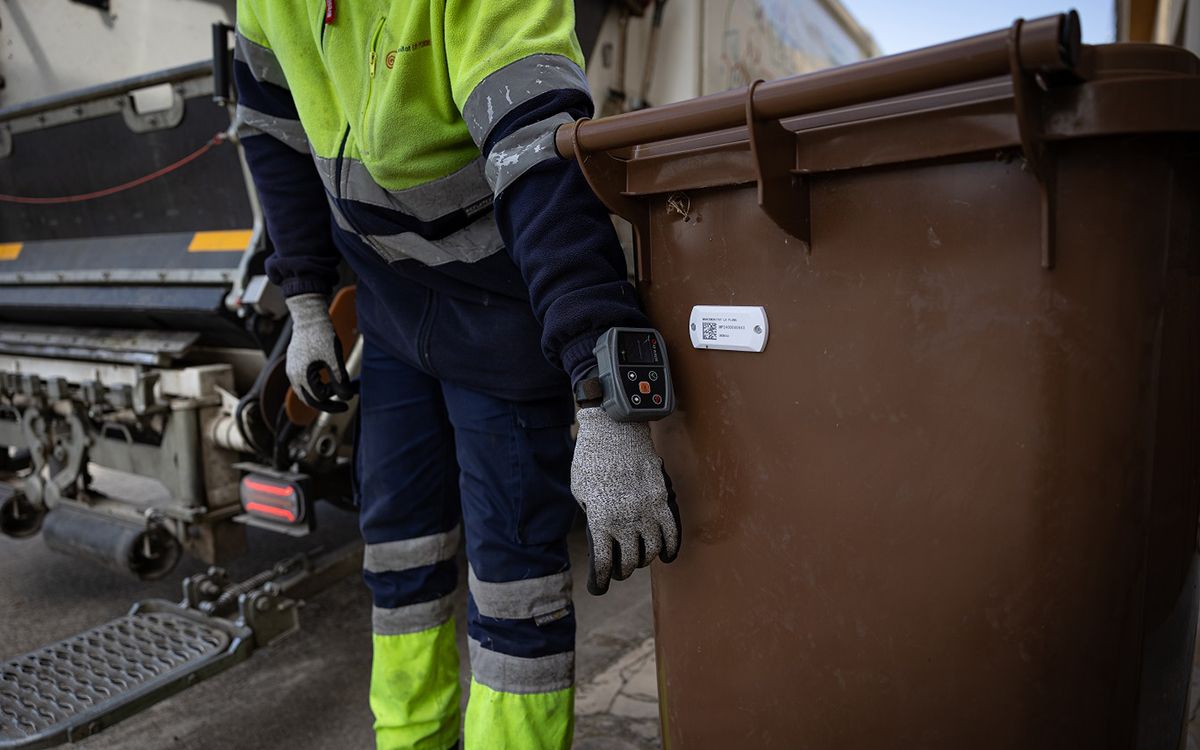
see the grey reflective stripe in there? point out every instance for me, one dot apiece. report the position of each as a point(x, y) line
point(464, 189)
point(516, 153)
point(521, 600)
point(518, 674)
point(513, 85)
point(327, 169)
point(413, 618)
point(261, 61)
point(251, 122)
point(412, 553)
point(338, 218)
point(477, 241)
point(461, 189)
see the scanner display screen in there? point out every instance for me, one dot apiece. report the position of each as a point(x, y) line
point(638, 349)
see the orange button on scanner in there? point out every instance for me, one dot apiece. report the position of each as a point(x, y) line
point(644, 387)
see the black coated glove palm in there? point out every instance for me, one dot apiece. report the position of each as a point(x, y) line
point(314, 350)
point(618, 479)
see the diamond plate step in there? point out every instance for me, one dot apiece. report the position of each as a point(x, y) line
point(71, 689)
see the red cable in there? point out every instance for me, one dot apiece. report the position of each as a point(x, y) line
point(216, 139)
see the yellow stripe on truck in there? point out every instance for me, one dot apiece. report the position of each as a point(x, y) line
point(221, 241)
point(10, 250)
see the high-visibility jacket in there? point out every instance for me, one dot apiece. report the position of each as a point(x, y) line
point(416, 138)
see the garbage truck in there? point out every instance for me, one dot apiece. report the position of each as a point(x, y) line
point(145, 414)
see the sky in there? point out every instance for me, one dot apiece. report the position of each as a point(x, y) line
point(900, 25)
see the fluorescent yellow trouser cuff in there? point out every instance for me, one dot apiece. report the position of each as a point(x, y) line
point(414, 690)
point(519, 721)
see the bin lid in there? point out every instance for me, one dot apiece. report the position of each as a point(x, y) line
point(1115, 89)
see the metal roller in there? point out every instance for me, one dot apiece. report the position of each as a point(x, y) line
point(147, 552)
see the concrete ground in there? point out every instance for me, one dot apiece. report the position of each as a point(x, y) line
point(309, 692)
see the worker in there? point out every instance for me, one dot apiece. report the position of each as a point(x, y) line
point(414, 141)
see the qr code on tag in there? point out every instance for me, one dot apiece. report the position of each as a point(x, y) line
point(709, 333)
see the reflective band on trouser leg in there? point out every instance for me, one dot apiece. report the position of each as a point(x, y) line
point(407, 554)
point(525, 599)
point(414, 690)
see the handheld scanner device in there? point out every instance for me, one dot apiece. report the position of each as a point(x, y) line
point(635, 375)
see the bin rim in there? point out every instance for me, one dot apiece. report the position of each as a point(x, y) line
point(1032, 86)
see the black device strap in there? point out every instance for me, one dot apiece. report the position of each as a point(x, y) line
point(589, 392)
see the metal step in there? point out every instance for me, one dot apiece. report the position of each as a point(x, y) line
point(74, 688)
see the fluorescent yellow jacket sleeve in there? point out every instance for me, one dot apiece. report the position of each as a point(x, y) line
point(502, 53)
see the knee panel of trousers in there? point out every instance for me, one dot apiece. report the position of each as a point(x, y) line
point(388, 511)
point(397, 588)
point(408, 571)
point(528, 638)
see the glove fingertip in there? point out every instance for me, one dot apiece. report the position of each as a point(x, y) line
point(670, 542)
point(307, 397)
point(345, 389)
point(598, 569)
point(669, 555)
point(617, 569)
point(597, 580)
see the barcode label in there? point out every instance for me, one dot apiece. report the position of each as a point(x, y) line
point(739, 328)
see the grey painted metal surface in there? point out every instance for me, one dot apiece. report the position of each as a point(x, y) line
point(70, 689)
point(101, 344)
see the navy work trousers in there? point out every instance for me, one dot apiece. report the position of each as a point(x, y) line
point(438, 464)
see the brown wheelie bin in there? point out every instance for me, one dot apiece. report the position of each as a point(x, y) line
point(953, 501)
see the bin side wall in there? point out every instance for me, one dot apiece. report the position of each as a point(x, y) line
point(922, 513)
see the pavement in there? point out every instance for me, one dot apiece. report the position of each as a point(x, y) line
point(309, 691)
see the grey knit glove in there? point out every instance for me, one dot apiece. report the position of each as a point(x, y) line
point(618, 479)
point(314, 350)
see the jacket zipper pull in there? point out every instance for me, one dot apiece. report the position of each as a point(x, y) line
point(372, 61)
point(330, 10)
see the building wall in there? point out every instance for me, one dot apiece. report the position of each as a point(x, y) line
point(1162, 21)
point(53, 46)
point(707, 46)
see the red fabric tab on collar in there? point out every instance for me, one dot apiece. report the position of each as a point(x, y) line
point(330, 9)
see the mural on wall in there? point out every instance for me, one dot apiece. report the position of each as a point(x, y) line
point(745, 40)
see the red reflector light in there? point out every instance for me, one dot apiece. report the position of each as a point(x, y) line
point(272, 499)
